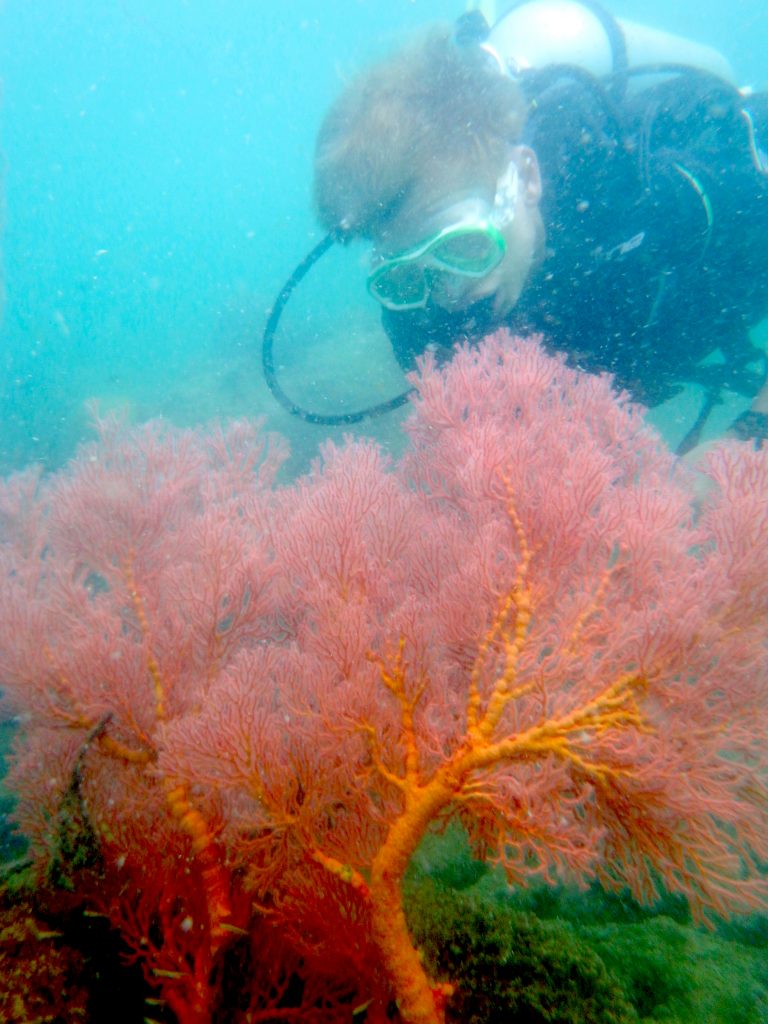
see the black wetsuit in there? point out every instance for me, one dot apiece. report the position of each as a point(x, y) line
point(656, 216)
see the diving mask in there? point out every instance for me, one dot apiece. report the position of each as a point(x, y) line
point(470, 246)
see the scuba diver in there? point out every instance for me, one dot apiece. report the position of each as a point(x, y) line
point(566, 173)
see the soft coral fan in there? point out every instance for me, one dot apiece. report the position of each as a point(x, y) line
point(128, 582)
point(526, 623)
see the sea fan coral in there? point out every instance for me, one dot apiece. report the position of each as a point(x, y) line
point(269, 695)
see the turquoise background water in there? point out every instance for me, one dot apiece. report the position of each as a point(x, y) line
point(157, 192)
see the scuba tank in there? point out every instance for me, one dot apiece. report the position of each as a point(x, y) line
point(536, 33)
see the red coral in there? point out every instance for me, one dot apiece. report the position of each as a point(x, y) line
point(527, 622)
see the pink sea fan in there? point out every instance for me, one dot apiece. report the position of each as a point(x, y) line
point(528, 623)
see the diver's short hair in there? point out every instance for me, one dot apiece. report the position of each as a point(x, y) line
point(433, 112)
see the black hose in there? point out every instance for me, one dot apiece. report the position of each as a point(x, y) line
point(268, 362)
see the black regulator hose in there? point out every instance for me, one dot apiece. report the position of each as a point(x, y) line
point(268, 362)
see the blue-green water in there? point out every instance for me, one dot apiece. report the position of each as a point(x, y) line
point(157, 178)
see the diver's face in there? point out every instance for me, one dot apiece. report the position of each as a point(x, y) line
point(453, 255)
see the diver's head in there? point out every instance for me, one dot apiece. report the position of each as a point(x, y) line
point(422, 155)
point(457, 250)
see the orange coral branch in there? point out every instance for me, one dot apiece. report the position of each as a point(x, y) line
point(76, 719)
point(216, 878)
point(123, 752)
point(345, 872)
point(519, 599)
point(395, 681)
point(419, 1000)
point(152, 666)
